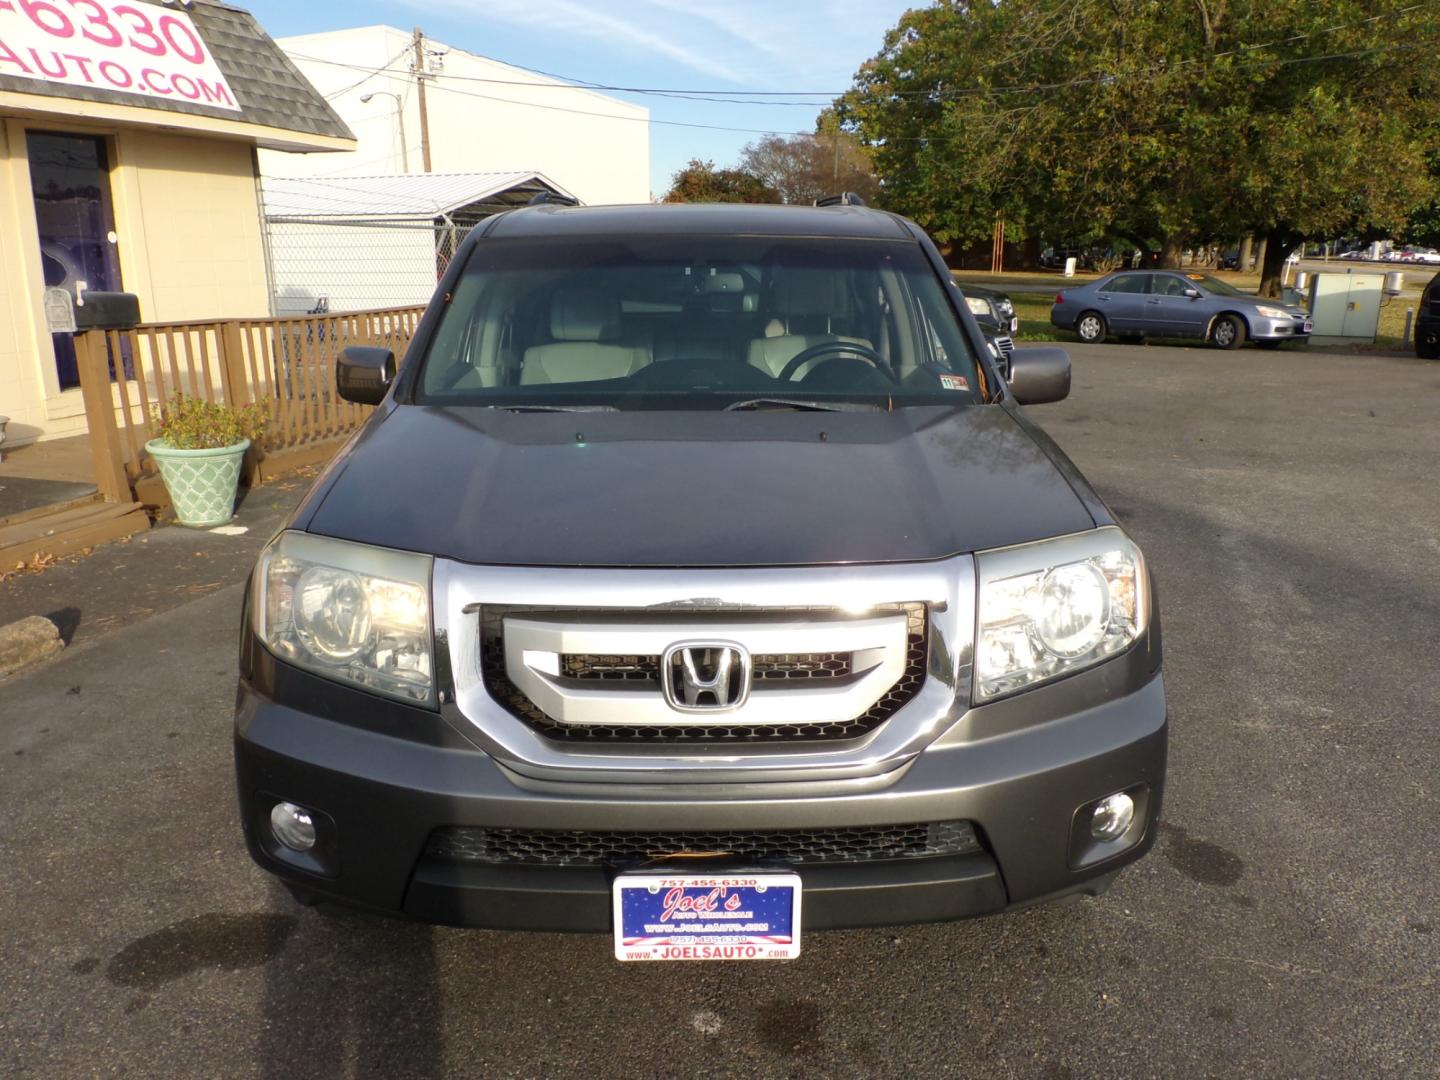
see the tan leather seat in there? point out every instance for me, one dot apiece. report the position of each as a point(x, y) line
point(805, 302)
point(584, 323)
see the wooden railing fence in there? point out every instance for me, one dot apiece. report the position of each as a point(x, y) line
point(288, 364)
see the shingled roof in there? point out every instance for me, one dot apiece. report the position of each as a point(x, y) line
point(267, 86)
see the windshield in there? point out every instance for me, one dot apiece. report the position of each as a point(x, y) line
point(698, 322)
point(1215, 285)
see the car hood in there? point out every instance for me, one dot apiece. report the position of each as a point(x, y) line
point(668, 488)
point(1254, 302)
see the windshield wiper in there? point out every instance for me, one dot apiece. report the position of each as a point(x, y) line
point(802, 405)
point(557, 408)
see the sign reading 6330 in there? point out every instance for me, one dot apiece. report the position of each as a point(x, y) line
point(124, 45)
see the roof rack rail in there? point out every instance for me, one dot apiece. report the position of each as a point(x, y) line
point(845, 198)
point(553, 198)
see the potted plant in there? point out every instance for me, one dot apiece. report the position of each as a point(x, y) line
point(199, 446)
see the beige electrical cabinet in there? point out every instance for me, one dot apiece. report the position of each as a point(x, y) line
point(1345, 307)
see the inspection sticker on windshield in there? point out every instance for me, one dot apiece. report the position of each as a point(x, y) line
point(954, 382)
point(690, 917)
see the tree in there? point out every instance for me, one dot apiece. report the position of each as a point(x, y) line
point(1423, 228)
point(1165, 123)
point(701, 181)
point(803, 168)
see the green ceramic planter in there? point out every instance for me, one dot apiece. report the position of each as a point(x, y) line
point(202, 483)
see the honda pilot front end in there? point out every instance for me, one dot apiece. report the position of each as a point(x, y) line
point(699, 581)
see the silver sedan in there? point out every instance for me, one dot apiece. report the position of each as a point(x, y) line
point(1163, 303)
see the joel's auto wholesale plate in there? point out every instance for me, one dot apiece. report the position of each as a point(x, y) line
point(741, 916)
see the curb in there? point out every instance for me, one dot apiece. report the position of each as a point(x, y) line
point(27, 642)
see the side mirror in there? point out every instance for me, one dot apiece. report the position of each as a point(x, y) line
point(363, 373)
point(1193, 294)
point(1039, 374)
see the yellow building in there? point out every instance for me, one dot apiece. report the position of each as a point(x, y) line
point(128, 138)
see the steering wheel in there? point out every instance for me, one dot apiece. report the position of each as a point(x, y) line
point(861, 352)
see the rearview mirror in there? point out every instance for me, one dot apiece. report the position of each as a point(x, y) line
point(1193, 294)
point(1039, 374)
point(364, 373)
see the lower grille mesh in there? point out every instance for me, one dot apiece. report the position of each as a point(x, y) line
point(768, 667)
point(636, 668)
point(544, 847)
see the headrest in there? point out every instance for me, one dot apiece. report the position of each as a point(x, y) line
point(584, 315)
point(807, 290)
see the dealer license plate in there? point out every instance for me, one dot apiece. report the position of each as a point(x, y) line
point(1309, 326)
point(740, 916)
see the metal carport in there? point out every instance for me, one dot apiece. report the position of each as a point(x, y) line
point(360, 242)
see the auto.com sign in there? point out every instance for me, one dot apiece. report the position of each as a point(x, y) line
point(133, 48)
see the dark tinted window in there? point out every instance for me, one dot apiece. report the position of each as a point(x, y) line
point(1165, 285)
point(1127, 283)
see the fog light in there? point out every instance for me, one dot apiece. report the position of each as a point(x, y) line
point(1112, 817)
point(292, 826)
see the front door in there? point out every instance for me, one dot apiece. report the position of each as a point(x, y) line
point(70, 177)
point(1169, 312)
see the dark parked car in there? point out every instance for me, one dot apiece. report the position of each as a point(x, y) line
point(994, 312)
point(1054, 258)
point(1166, 303)
point(1427, 323)
point(992, 309)
point(697, 580)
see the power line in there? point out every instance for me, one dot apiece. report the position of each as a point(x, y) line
point(572, 84)
point(612, 116)
point(370, 73)
point(438, 85)
point(746, 97)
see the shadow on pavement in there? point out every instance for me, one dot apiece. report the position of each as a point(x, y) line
point(357, 997)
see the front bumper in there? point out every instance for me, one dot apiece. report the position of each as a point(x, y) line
point(1018, 769)
point(1296, 329)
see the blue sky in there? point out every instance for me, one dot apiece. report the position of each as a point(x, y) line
point(738, 45)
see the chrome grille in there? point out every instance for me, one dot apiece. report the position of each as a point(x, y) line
point(1005, 344)
point(635, 671)
point(583, 848)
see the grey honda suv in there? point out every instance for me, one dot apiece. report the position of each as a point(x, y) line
point(698, 580)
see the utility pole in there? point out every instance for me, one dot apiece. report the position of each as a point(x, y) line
point(420, 77)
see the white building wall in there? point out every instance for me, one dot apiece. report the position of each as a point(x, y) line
point(594, 146)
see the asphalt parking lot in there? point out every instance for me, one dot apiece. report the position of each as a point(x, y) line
point(1285, 925)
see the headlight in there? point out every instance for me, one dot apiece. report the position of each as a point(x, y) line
point(1055, 607)
point(978, 305)
point(349, 612)
point(1268, 312)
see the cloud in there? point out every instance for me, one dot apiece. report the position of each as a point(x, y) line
point(806, 46)
point(730, 24)
point(577, 18)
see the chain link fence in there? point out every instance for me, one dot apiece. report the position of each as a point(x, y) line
point(324, 265)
